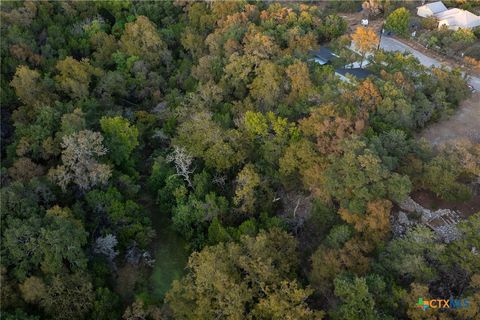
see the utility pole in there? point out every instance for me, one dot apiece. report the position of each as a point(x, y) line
point(381, 34)
point(381, 29)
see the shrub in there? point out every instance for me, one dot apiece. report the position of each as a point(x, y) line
point(398, 22)
point(430, 23)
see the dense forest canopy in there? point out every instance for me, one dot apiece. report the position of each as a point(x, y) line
point(281, 178)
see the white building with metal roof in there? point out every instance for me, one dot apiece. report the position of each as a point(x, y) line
point(451, 18)
point(457, 18)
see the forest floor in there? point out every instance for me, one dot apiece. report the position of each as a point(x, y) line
point(169, 252)
point(170, 256)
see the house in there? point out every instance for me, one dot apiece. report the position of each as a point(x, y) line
point(457, 18)
point(358, 73)
point(451, 18)
point(323, 56)
point(431, 9)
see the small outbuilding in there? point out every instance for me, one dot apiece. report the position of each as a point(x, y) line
point(431, 9)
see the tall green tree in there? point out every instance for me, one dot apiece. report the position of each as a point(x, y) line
point(75, 76)
point(357, 303)
point(121, 138)
point(142, 39)
point(358, 176)
point(241, 280)
point(411, 256)
point(68, 297)
point(61, 241)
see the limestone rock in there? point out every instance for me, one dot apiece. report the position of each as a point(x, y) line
point(442, 221)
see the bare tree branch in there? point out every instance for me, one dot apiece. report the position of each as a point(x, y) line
point(182, 161)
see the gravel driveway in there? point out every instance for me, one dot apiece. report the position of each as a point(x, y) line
point(391, 44)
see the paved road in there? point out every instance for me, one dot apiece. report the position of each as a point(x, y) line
point(390, 44)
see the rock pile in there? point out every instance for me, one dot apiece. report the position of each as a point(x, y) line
point(442, 221)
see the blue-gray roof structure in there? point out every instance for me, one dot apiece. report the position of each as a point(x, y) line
point(359, 73)
point(322, 56)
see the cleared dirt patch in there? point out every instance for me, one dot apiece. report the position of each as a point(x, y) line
point(464, 123)
point(354, 20)
point(430, 201)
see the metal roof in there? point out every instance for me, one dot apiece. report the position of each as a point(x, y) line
point(459, 18)
point(323, 55)
point(359, 73)
point(435, 7)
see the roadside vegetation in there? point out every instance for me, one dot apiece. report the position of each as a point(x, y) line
point(462, 45)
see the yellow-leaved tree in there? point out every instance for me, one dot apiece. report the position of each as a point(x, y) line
point(365, 41)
